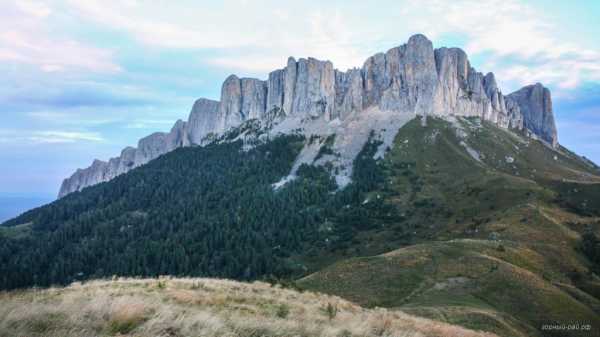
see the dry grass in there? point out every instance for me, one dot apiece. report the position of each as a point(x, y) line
point(200, 307)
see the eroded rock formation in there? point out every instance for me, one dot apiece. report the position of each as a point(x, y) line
point(413, 78)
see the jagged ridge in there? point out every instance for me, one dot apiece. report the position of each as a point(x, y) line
point(413, 79)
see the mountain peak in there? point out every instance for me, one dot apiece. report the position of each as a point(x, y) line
point(535, 101)
point(406, 81)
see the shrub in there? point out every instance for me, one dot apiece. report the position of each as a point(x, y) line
point(283, 310)
point(331, 311)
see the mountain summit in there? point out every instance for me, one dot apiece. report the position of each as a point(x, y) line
point(311, 96)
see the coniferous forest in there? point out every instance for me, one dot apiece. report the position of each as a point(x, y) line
point(199, 211)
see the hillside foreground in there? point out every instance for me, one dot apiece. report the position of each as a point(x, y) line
point(200, 307)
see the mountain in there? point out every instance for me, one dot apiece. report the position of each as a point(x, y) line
point(436, 196)
point(461, 221)
point(412, 79)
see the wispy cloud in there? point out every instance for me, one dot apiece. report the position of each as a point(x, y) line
point(250, 36)
point(65, 136)
point(27, 38)
point(71, 118)
point(48, 136)
point(522, 44)
point(34, 8)
point(150, 124)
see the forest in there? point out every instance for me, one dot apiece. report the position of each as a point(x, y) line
point(198, 211)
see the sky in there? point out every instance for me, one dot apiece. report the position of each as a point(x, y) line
point(83, 79)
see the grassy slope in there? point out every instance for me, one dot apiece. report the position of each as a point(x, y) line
point(200, 307)
point(496, 237)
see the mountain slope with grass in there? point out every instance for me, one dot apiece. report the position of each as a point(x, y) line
point(201, 307)
point(460, 221)
point(499, 224)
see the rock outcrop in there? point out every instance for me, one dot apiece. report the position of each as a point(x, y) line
point(535, 104)
point(203, 120)
point(413, 78)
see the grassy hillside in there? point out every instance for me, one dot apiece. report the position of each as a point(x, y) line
point(200, 307)
point(496, 223)
point(461, 221)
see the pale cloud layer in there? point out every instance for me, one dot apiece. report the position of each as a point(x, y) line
point(48, 136)
point(257, 36)
point(27, 38)
point(507, 28)
point(521, 44)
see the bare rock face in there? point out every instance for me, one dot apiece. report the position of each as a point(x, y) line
point(535, 104)
point(289, 84)
point(231, 104)
point(126, 160)
point(149, 148)
point(460, 90)
point(202, 120)
point(513, 111)
point(411, 79)
point(314, 90)
point(241, 99)
point(275, 89)
point(254, 98)
point(349, 92)
point(92, 175)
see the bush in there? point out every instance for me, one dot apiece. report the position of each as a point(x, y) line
point(331, 311)
point(590, 247)
point(283, 310)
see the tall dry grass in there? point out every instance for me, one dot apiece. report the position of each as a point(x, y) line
point(201, 307)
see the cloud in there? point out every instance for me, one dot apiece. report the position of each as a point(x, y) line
point(65, 136)
point(150, 123)
point(521, 44)
point(154, 24)
point(84, 95)
point(71, 118)
point(33, 8)
point(48, 136)
point(27, 38)
point(250, 36)
point(56, 99)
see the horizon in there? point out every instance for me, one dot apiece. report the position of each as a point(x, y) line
point(85, 80)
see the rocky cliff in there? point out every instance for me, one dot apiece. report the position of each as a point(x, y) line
point(409, 80)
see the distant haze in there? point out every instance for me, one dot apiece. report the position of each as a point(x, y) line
point(11, 206)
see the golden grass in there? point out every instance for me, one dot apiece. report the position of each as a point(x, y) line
point(201, 307)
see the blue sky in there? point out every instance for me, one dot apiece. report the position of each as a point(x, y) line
point(83, 79)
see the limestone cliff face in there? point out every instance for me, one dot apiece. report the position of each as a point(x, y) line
point(203, 120)
point(535, 104)
point(413, 78)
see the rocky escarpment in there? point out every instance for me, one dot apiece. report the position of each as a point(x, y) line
point(535, 104)
point(409, 80)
